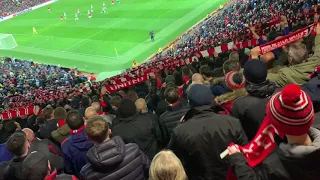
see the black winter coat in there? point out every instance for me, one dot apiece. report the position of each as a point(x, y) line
point(199, 141)
point(171, 118)
point(288, 162)
point(250, 110)
point(114, 160)
point(162, 105)
point(142, 130)
point(47, 128)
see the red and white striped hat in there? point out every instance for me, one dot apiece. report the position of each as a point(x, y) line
point(291, 111)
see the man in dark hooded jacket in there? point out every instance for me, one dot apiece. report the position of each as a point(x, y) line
point(134, 127)
point(250, 109)
point(203, 135)
point(111, 158)
point(76, 146)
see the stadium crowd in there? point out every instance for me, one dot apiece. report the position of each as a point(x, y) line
point(8, 7)
point(25, 81)
point(176, 125)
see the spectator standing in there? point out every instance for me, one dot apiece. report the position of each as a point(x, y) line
point(300, 65)
point(203, 135)
point(111, 158)
point(146, 134)
point(76, 146)
point(63, 131)
point(50, 124)
point(235, 82)
point(175, 112)
point(166, 166)
point(52, 152)
point(18, 145)
point(36, 166)
point(291, 113)
point(250, 110)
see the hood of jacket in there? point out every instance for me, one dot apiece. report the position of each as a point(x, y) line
point(263, 90)
point(230, 96)
point(80, 141)
point(302, 160)
point(107, 154)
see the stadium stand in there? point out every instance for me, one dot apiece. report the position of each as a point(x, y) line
point(9, 7)
point(237, 97)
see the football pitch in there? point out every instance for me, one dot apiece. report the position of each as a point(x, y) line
point(89, 44)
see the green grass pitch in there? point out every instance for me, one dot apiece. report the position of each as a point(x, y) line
point(89, 44)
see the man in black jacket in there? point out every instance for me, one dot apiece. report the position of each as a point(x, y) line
point(49, 125)
point(203, 135)
point(112, 159)
point(250, 110)
point(290, 112)
point(175, 111)
point(18, 145)
point(134, 127)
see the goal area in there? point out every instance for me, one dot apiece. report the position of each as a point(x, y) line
point(7, 42)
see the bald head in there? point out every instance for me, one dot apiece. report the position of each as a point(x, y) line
point(90, 112)
point(141, 105)
point(96, 106)
point(29, 133)
point(197, 79)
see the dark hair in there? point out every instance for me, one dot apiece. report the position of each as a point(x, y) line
point(97, 129)
point(229, 66)
point(85, 101)
point(74, 120)
point(132, 95)
point(171, 95)
point(218, 72)
point(16, 143)
point(10, 127)
point(205, 70)
point(31, 121)
point(46, 113)
point(115, 101)
point(178, 78)
point(59, 113)
point(186, 71)
point(170, 85)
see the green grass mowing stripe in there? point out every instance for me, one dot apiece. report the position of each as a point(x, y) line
point(142, 16)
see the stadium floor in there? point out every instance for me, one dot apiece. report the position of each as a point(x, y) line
point(89, 44)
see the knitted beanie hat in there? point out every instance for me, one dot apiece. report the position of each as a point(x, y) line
point(127, 108)
point(235, 80)
point(291, 111)
point(255, 71)
point(199, 95)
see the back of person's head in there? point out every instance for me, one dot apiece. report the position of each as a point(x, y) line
point(97, 129)
point(141, 105)
point(127, 108)
point(205, 71)
point(171, 95)
point(74, 120)
point(59, 113)
point(132, 95)
point(35, 166)
point(229, 66)
point(166, 166)
point(218, 72)
point(10, 126)
point(85, 101)
point(199, 95)
point(197, 79)
point(178, 78)
point(18, 144)
point(170, 85)
point(96, 106)
point(255, 72)
point(47, 113)
point(115, 102)
point(29, 133)
point(90, 112)
point(297, 53)
point(32, 123)
point(186, 72)
point(234, 56)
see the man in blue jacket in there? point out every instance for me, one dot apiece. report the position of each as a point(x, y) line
point(6, 155)
point(76, 146)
